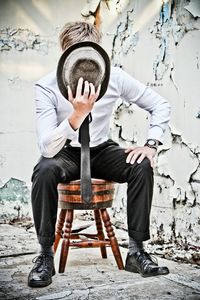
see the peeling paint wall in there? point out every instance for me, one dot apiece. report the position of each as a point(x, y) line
point(162, 50)
point(158, 42)
point(28, 50)
point(14, 199)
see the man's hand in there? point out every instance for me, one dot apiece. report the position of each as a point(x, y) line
point(82, 103)
point(139, 153)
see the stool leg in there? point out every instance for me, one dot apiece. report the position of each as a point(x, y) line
point(59, 228)
point(66, 240)
point(112, 238)
point(100, 232)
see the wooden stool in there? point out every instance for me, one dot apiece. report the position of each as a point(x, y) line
point(70, 199)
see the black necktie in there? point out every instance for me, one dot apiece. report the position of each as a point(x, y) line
point(85, 171)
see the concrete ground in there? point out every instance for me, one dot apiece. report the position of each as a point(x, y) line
point(87, 275)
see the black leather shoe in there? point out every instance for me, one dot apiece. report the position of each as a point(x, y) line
point(42, 271)
point(141, 262)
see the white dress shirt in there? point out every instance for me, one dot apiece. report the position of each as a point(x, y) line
point(53, 111)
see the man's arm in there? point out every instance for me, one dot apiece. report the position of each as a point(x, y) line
point(135, 92)
point(51, 136)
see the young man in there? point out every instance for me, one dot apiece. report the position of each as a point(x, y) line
point(59, 120)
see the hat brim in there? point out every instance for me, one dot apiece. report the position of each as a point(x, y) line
point(68, 51)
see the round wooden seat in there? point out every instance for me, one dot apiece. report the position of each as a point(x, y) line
point(70, 195)
point(69, 199)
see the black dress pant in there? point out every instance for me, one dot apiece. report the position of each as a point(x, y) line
point(108, 161)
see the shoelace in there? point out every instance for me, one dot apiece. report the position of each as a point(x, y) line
point(36, 258)
point(147, 260)
point(41, 260)
point(151, 258)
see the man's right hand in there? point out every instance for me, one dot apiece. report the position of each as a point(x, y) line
point(82, 103)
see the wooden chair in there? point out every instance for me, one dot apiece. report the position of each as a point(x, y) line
point(69, 200)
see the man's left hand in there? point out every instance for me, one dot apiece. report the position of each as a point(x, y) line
point(139, 153)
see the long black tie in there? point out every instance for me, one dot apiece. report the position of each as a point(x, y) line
point(85, 171)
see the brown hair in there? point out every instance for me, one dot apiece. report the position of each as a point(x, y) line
point(74, 32)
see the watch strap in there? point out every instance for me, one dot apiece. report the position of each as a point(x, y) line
point(151, 143)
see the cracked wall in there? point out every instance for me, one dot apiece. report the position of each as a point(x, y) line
point(28, 50)
point(158, 42)
point(22, 39)
point(166, 58)
point(14, 200)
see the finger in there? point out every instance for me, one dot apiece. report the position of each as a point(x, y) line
point(98, 91)
point(92, 92)
point(79, 88)
point(70, 96)
point(129, 156)
point(132, 156)
point(140, 159)
point(86, 89)
point(129, 150)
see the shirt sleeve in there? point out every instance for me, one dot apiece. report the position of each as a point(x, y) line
point(51, 136)
point(133, 91)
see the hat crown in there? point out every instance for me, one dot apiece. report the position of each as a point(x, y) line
point(87, 60)
point(86, 63)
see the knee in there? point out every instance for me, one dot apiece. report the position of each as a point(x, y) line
point(46, 168)
point(143, 169)
point(145, 165)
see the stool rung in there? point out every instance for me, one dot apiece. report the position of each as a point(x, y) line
point(89, 244)
point(88, 235)
point(79, 239)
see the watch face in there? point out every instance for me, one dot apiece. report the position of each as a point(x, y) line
point(151, 142)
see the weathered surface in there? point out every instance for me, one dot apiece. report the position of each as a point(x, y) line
point(23, 39)
point(87, 275)
point(167, 50)
point(14, 200)
point(158, 43)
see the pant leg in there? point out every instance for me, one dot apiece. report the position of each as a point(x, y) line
point(109, 162)
point(46, 176)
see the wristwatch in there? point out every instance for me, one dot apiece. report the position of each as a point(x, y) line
point(151, 143)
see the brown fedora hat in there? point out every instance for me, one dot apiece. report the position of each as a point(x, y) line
point(87, 60)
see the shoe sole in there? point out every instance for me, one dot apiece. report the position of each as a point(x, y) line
point(135, 270)
point(131, 269)
point(42, 283)
point(39, 283)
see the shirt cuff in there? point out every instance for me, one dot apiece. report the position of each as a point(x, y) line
point(155, 133)
point(67, 131)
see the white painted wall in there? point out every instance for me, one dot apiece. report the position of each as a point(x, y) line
point(157, 43)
